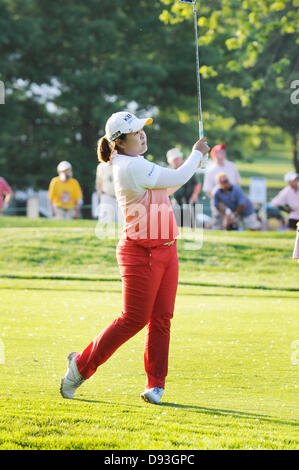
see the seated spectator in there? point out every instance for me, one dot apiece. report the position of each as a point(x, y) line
point(219, 164)
point(234, 206)
point(288, 199)
point(5, 190)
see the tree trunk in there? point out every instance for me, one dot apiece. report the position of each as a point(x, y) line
point(295, 152)
point(86, 211)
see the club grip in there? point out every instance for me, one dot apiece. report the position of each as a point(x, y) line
point(201, 129)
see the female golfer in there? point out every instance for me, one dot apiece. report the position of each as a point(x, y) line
point(146, 254)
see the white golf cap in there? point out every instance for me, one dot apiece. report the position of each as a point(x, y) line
point(172, 154)
point(124, 123)
point(63, 166)
point(291, 176)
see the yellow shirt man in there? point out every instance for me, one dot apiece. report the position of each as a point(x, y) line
point(65, 193)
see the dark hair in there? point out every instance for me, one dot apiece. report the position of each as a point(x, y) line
point(106, 148)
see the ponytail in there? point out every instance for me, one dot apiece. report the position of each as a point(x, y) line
point(106, 149)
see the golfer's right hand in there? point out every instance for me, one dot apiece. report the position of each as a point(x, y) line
point(202, 146)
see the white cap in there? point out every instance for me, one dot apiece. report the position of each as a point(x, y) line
point(63, 166)
point(124, 123)
point(172, 154)
point(291, 176)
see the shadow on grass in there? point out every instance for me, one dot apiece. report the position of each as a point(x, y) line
point(202, 410)
point(230, 413)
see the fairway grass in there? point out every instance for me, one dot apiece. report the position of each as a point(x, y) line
point(233, 372)
point(272, 165)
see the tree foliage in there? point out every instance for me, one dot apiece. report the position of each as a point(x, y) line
point(95, 58)
point(68, 65)
point(249, 55)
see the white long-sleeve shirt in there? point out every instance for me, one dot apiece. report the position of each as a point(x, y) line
point(288, 197)
point(141, 191)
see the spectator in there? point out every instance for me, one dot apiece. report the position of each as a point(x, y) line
point(108, 209)
point(220, 164)
point(65, 193)
point(5, 190)
point(288, 199)
point(188, 193)
point(234, 206)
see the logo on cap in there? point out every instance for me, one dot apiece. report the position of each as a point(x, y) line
point(128, 118)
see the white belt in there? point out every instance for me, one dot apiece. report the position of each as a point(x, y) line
point(169, 243)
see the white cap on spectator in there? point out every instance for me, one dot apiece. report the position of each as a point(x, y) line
point(63, 166)
point(172, 154)
point(291, 176)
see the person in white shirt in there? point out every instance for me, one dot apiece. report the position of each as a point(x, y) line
point(108, 210)
point(146, 254)
point(288, 199)
point(220, 164)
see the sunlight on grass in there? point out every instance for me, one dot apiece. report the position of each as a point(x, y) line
point(231, 382)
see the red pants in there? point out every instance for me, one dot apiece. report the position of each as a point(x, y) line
point(149, 279)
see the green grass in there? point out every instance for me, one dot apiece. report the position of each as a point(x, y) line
point(231, 382)
point(272, 164)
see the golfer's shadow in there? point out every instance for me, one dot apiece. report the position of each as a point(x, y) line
point(230, 413)
point(204, 410)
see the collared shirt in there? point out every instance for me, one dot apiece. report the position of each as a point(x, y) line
point(288, 197)
point(234, 198)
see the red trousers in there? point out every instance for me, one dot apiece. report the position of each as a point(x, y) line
point(149, 284)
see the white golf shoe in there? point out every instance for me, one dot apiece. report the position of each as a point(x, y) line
point(153, 395)
point(72, 379)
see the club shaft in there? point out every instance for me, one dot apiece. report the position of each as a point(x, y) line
point(201, 132)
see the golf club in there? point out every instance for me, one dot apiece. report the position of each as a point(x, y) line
point(200, 119)
point(193, 2)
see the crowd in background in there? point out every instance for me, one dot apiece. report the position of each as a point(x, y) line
point(230, 207)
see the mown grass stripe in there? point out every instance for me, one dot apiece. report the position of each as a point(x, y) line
point(115, 279)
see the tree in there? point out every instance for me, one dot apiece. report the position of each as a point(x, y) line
point(249, 54)
point(96, 58)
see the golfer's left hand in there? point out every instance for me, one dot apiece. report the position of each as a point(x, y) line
point(202, 146)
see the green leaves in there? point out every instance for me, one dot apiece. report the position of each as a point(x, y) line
point(141, 54)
